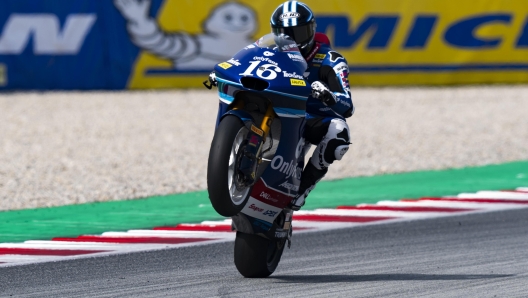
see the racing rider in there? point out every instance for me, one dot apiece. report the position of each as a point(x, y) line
point(331, 100)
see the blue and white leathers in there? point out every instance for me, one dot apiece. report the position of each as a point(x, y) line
point(270, 69)
point(331, 68)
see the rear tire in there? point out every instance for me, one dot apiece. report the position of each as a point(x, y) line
point(226, 192)
point(256, 256)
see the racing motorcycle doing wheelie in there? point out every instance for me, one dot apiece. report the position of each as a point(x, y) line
point(257, 152)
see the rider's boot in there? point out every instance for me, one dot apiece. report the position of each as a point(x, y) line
point(309, 178)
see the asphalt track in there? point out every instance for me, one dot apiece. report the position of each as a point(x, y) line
point(477, 255)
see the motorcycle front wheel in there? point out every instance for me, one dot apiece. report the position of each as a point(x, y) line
point(227, 191)
point(256, 256)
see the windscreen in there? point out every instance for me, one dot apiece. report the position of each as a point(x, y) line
point(278, 42)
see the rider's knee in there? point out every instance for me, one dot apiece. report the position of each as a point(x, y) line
point(334, 145)
point(335, 150)
point(338, 139)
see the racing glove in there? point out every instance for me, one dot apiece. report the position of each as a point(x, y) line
point(211, 81)
point(321, 92)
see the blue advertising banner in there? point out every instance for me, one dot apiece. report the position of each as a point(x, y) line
point(64, 44)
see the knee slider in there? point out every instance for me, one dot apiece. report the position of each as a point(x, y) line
point(335, 150)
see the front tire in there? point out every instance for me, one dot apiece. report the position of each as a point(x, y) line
point(227, 191)
point(256, 256)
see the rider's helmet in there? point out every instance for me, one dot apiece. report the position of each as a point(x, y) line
point(295, 19)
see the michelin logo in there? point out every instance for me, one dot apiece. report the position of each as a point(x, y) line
point(228, 28)
point(44, 30)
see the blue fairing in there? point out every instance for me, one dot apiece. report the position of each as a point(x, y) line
point(282, 70)
point(279, 71)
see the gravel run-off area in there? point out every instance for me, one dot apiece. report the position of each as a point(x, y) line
point(60, 148)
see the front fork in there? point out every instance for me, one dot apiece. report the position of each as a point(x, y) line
point(255, 139)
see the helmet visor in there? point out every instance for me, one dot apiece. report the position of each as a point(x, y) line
point(303, 35)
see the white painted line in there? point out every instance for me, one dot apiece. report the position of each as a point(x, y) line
point(312, 226)
point(52, 245)
point(79, 245)
point(374, 213)
point(226, 222)
point(26, 258)
point(451, 204)
point(173, 234)
point(494, 195)
point(167, 234)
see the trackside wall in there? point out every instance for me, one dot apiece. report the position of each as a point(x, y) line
point(132, 44)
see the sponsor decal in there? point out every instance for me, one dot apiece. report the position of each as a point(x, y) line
point(344, 81)
point(281, 234)
point(270, 213)
point(289, 15)
point(255, 208)
point(265, 59)
point(225, 65)
point(234, 62)
point(289, 186)
point(253, 141)
point(334, 56)
point(261, 210)
point(296, 57)
point(289, 168)
point(341, 67)
point(344, 102)
point(289, 47)
point(292, 75)
point(257, 130)
point(295, 82)
point(313, 52)
point(249, 47)
point(268, 54)
point(318, 61)
point(268, 197)
point(320, 56)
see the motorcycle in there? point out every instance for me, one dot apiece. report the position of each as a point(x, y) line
point(257, 152)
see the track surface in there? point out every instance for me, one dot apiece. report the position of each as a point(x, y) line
point(478, 255)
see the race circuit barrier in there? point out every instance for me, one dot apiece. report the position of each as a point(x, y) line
point(135, 44)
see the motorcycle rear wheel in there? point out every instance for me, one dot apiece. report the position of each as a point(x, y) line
point(227, 193)
point(256, 256)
